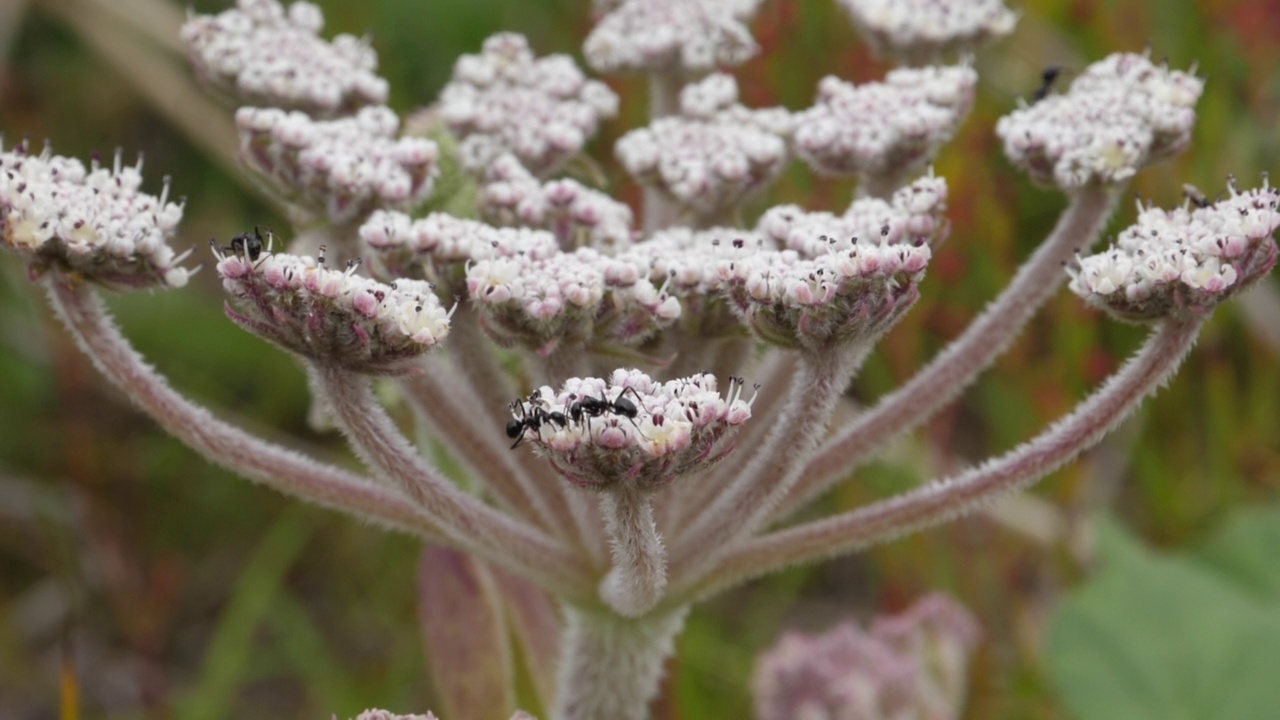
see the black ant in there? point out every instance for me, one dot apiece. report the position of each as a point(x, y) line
point(249, 247)
point(1047, 78)
point(595, 407)
point(531, 420)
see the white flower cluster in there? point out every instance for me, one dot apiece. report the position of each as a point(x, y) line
point(333, 316)
point(1183, 261)
point(895, 126)
point(632, 428)
point(576, 214)
point(922, 31)
point(1120, 114)
point(677, 35)
point(685, 263)
point(851, 293)
point(504, 100)
point(576, 297)
point(913, 665)
point(914, 215)
point(438, 247)
point(344, 168)
point(259, 53)
point(95, 223)
point(713, 156)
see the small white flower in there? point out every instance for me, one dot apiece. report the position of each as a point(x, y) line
point(96, 222)
point(1184, 260)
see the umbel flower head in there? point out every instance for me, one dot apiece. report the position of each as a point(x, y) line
point(920, 32)
point(93, 222)
point(577, 215)
point(1121, 114)
point(259, 53)
point(914, 215)
point(893, 126)
point(631, 429)
point(440, 247)
point(681, 36)
point(504, 100)
point(571, 299)
point(341, 169)
point(1183, 262)
point(334, 317)
point(912, 665)
point(712, 156)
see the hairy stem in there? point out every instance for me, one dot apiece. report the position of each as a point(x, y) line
point(956, 367)
point(749, 499)
point(462, 517)
point(612, 666)
point(944, 500)
point(639, 573)
point(284, 470)
point(439, 402)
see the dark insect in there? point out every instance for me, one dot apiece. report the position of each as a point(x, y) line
point(1197, 198)
point(249, 247)
point(531, 419)
point(1047, 78)
point(595, 407)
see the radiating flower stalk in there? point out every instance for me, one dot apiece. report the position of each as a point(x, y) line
point(667, 389)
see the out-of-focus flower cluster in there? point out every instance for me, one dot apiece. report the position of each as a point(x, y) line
point(388, 715)
point(1120, 114)
point(94, 222)
point(260, 54)
point(913, 665)
point(1183, 261)
point(677, 36)
point(924, 31)
point(342, 168)
point(894, 126)
point(504, 100)
point(577, 215)
point(633, 429)
point(712, 156)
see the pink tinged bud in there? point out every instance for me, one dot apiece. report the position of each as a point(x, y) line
point(1171, 263)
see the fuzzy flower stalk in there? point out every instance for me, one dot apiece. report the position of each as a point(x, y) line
point(667, 376)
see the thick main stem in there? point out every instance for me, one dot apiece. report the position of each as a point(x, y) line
point(956, 367)
point(462, 517)
point(750, 498)
point(946, 499)
point(220, 442)
point(612, 666)
point(639, 573)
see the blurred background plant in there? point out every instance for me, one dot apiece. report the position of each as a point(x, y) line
point(151, 584)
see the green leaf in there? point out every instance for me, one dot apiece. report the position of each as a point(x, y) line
point(1165, 637)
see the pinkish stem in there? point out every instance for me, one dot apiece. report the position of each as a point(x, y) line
point(749, 499)
point(444, 404)
point(947, 499)
point(462, 517)
point(956, 367)
point(281, 469)
point(639, 573)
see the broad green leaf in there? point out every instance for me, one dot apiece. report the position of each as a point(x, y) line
point(1161, 637)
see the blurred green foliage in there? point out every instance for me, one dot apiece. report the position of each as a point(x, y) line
point(182, 592)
